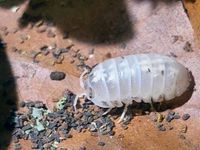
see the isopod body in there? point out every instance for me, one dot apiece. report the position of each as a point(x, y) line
point(141, 77)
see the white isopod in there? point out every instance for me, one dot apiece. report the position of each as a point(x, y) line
point(141, 77)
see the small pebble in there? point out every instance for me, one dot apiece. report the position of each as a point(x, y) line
point(172, 113)
point(30, 26)
point(42, 29)
point(108, 55)
point(91, 51)
point(56, 75)
point(123, 45)
point(92, 127)
point(22, 104)
point(52, 46)
point(161, 127)
point(44, 48)
point(173, 55)
point(68, 136)
point(18, 146)
point(14, 30)
point(65, 35)
point(14, 49)
point(34, 146)
point(170, 117)
point(183, 128)
point(169, 127)
point(63, 148)
point(39, 105)
point(188, 47)
point(101, 143)
point(50, 34)
point(186, 117)
point(177, 38)
point(121, 136)
point(152, 116)
point(24, 37)
point(111, 133)
point(72, 61)
point(5, 33)
point(125, 127)
point(82, 148)
point(160, 117)
point(177, 116)
point(3, 28)
point(182, 136)
point(21, 41)
point(27, 127)
point(95, 134)
point(74, 54)
point(15, 139)
point(30, 104)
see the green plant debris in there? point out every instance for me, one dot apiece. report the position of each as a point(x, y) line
point(37, 113)
point(61, 103)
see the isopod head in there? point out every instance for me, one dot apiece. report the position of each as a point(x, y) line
point(94, 92)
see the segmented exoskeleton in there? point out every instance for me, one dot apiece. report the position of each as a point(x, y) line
point(142, 77)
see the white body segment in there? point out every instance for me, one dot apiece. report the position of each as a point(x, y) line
point(142, 77)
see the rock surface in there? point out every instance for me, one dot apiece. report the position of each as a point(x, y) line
point(154, 26)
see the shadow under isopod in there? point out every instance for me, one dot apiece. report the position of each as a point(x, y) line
point(141, 108)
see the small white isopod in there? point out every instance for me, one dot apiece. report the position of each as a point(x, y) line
point(142, 77)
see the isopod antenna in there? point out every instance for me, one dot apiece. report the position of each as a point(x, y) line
point(86, 71)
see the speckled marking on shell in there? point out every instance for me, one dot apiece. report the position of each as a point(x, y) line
point(141, 77)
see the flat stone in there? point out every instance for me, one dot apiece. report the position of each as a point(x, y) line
point(56, 75)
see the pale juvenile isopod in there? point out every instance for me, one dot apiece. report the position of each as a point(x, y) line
point(142, 77)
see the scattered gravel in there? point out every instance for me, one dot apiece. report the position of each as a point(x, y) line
point(165, 125)
point(46, 129)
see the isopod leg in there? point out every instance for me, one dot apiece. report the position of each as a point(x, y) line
point(160, 105)
point(152, 106)
point(123, 114)
point(107, 111)
point(162, 101)
point(76, 100)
